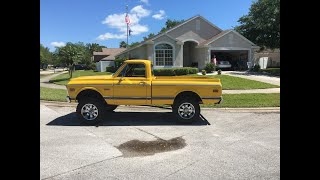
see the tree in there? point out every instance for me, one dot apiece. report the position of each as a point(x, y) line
point(149, 36)
point(134, 44)
point(94, 47)
point(46, 57)
point(170, 24)
point(71, 54)
point(262, 24)
point(123, 44)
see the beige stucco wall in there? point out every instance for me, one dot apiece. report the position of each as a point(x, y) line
point(231, 40)
point(189, 31)
point(201, 57)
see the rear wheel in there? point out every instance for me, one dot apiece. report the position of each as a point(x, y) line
point(186, 110)
point(91, 111)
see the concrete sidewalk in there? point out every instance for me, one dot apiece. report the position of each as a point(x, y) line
point(44, 82)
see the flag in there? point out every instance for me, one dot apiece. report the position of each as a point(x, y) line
point(127, 19)
point(130, 32)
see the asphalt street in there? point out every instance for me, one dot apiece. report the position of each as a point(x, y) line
point(147, 143)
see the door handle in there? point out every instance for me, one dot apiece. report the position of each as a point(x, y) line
point(142, 83)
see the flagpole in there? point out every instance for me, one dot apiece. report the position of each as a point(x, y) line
point(127, 30)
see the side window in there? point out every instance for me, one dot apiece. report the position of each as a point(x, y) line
point(134, 70)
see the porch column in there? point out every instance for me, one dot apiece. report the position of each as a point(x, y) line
point(178, 59)
point(150, 52)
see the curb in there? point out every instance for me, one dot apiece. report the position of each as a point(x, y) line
point(262, 109)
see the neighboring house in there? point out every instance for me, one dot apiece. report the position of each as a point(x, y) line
point(272, 57)
point(193, 43)
point(105, 58)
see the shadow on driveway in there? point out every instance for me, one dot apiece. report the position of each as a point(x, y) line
point(129, 119)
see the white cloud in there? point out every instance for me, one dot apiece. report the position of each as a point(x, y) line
point(140, 11)
point(159, 15)
point(117, 21)
point(145, 1)
point(57, 44)
point(107, 36)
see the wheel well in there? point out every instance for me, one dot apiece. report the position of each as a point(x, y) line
point(185, 94)
point(89, 93)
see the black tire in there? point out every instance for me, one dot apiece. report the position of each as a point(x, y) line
point(190, 104)
point(110, 108)
point(97, 107)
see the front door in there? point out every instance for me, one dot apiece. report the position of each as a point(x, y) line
point(130, 87)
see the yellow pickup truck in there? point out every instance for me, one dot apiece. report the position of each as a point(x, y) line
point(135, 84)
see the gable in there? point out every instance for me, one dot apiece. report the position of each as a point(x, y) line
point(198, 28)
point(231, 39)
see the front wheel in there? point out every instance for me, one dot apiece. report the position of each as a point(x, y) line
point(186, 110)
point(90, 111)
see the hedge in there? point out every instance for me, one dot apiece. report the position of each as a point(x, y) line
point(175, 71)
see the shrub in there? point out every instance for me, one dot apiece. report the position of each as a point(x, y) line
point(209, 67)
point(256, 68)
point(193, 70)
point(219, 72)
point(204, 72)
point(118, 62)
point(111, 69)
point(92, 66)
point(181, 71)
point(139, 71)
point(164, 72)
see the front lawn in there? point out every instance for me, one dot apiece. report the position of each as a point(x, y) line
point(231, 82)
point(63, 79)
point(248, 100)
point(50, 94)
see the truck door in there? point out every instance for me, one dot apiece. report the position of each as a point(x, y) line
point(130, 86)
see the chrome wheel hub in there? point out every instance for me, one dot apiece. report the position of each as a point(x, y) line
point(89, 112)
point(186, 110)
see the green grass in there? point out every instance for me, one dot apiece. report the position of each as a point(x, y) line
point(63, 79)
point(50, 94)
point(248, 100)
point(231, 82)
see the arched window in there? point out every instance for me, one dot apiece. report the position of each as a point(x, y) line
point(164, 55)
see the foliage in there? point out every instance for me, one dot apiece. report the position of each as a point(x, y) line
point(272, 71)
point(164, 72)
point(262, 24)
point(256, 68)
point(170, 24)
point(209, 67)
point(92, 66)
point(219, 72)
point(118, 61)
point(46, 57)
point(175, 71)
point(204, 72)
point(111, 69)
point(94, 47)
point(193, 70)
point(151, 35)
point(122, 44)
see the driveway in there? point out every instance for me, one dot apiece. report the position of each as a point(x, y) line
point(147, 143)
point(44, 81)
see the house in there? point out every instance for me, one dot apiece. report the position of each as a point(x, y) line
point(193, 43)
point(105, 58)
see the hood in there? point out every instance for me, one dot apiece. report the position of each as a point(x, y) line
point(90, 79)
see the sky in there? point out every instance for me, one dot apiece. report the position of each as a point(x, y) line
point(103, 21)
